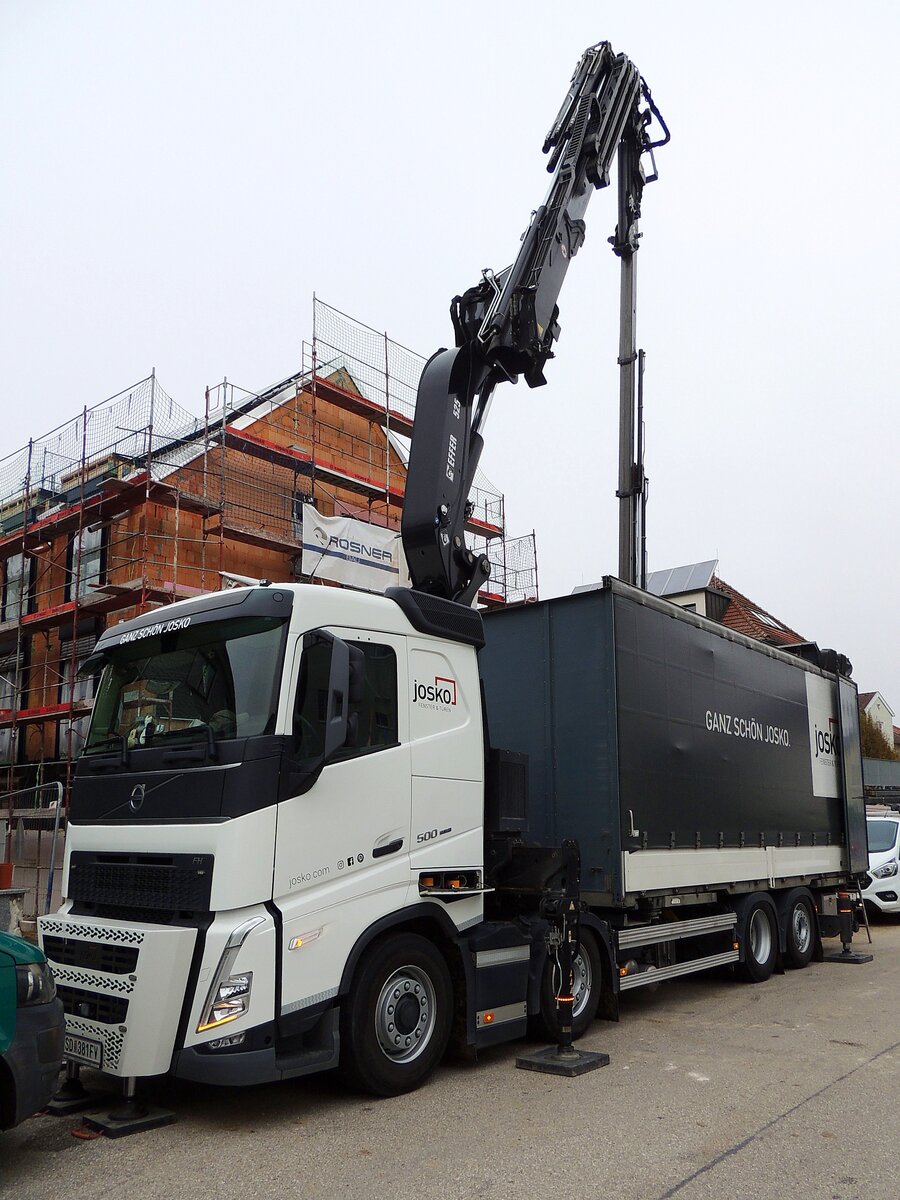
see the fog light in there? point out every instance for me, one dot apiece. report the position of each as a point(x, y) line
point(234, 1039)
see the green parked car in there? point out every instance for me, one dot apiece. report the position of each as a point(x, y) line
point(31, 1031)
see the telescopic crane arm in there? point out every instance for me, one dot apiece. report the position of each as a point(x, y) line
point(506, 325)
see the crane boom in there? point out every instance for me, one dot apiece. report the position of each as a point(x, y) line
point(505, 325)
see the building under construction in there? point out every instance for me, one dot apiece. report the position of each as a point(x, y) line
point(136, 503)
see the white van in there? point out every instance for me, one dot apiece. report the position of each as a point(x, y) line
point(882, 890)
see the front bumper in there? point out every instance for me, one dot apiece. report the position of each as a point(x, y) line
point(259, 1060)
point(35, 1057)
point(884, 894)
point(122, 986)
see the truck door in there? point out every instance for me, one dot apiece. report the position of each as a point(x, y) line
point(852, 778)
point(342, 847)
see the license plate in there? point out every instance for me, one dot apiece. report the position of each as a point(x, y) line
point(83, 1050)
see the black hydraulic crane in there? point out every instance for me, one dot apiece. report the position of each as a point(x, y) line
point(506, 325)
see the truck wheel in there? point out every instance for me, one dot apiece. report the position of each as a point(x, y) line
point(800, 940)
point(760, 943)
point(395, 1023)
point(588, 972)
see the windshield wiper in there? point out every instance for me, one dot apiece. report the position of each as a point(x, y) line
point(211, 750)
point(111, 741)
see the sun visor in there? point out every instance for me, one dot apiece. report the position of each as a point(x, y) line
point(253, 602)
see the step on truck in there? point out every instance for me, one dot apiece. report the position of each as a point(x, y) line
point(314, 827)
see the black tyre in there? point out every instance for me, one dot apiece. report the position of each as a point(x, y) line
point(588, 972)
point(395, 1023)
point(800, 933)
point(760, 939)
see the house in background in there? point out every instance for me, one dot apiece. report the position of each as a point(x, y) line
point(876, 708)
point(699, 589)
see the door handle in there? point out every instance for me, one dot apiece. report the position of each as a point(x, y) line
point(388, 848)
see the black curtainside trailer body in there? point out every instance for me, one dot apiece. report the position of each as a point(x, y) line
point(685, 759)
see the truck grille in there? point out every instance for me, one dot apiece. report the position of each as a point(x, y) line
point(108, 1010)
point(167, 883)
point(96, 956)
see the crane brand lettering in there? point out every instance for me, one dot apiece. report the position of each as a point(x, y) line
point(451, 457)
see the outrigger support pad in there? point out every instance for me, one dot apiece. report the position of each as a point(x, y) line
point(131, 1116)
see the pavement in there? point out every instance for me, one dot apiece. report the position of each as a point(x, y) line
point(715, 1088)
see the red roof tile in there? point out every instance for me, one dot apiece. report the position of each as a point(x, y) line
point(745, 616)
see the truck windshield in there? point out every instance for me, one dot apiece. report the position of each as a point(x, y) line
point(882, 835)
point(213, 680)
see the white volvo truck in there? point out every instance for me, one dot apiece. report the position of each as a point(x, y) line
point(293, 842)
point(290, 847)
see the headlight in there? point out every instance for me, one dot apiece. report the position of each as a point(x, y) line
point(35, 984)
point(229, 995)
point(230, 1001)
point(886, 871)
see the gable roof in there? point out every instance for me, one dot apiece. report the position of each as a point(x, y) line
point(724, 603)
point(746, 616)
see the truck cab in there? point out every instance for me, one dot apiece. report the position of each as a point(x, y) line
point(270, 774)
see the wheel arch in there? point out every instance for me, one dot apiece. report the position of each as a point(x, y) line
point(609, 984)
point(427, 920)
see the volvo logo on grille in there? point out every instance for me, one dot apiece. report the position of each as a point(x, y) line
point(137, 797)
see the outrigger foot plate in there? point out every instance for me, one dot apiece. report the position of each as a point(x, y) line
point(130, 1119)
point(849, 956)
point(571, 1062)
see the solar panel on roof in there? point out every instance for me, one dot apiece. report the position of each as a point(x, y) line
point(677, 580)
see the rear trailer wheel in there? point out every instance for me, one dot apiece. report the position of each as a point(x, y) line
point(588, 979)
point(395, 1023)
point(800, 934)
point(760, 943)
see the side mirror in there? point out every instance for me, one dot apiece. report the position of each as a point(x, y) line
point(346, 680)
point(357, 691)
point(337, 714)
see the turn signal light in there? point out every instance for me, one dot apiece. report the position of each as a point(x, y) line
point(488, 1018)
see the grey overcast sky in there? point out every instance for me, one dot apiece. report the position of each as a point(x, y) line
point(180, 177)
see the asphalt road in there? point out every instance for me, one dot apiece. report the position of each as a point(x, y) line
point(715, 1089)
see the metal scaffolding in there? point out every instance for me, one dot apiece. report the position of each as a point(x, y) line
point(138, 502)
